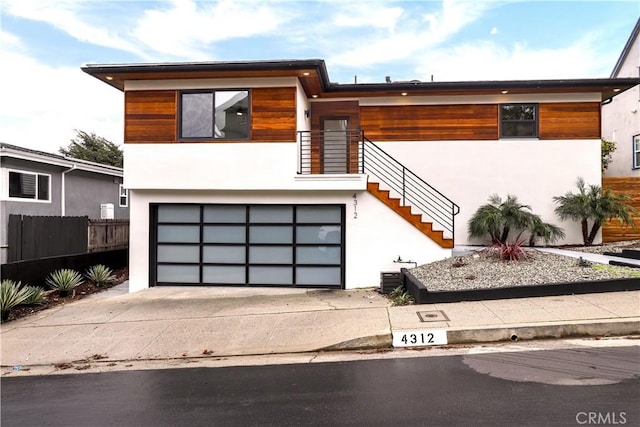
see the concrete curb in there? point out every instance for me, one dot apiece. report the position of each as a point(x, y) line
point(568, 330)
point(363, 343)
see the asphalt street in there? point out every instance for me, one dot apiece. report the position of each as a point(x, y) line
point(532, 388)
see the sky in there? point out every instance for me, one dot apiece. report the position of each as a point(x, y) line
point(43, 43)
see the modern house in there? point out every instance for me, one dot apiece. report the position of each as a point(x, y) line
point(44, 184)
point(265, 173)
point(621, 124)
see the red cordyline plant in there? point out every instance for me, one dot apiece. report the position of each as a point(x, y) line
point(509, 251)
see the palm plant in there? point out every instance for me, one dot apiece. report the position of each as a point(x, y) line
point(64, 280)
point(548, 232)
point(498, 218)
point(11, 295)
point(591, 203)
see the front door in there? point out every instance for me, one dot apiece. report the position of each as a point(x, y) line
point(335, 147)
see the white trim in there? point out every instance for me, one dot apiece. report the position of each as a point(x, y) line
point(635, 151)
point(184, 84)
point(63, 161)
point(125, 195)
point(5, 190)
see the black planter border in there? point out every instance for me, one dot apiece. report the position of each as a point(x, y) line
point(422, 295)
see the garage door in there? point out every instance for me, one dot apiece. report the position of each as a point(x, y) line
point(254, 245)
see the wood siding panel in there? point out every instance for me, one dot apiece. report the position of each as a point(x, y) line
point(569, 120)
point(273, 114)
point(613, 231)
point(430, 122)
point(150, 116)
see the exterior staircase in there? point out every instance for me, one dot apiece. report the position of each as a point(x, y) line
point(405, 212)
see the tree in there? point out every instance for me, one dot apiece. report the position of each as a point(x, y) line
point(498, 218)
point(93, 148)
point(591, 203)
point(606, 150)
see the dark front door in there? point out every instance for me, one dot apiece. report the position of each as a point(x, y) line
point(335, 146)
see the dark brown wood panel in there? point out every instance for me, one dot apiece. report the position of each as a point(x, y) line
point(273, 114)
point(328, 110)
point(150, 116)
point(612, 231)
point(569, 120)
point(430, 122)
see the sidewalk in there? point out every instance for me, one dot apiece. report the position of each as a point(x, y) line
point(169, 323)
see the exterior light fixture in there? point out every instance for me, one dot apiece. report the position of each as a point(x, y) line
point(109, 77)
point(314, 96)
point(404, 94)
point(616, 89)
point(504, 92)
point(306, 73)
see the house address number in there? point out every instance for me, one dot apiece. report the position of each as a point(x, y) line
point(419, 338)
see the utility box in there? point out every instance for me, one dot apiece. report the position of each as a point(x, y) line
point(390, 280)
point(106, 211)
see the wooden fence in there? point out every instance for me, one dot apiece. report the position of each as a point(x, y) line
point(108, 234)
point(613, 231)
point(34, 237)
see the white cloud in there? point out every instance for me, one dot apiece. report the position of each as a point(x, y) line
point(186, 28)
point(489, 61)
point(413, 36)
point(493, 31)
point(44, 104)
point(365, 14)
point(66, 15)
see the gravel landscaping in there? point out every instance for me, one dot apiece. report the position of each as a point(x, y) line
point(482, 270)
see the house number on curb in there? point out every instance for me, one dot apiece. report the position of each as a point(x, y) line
point(419, 338)
point(355, 206)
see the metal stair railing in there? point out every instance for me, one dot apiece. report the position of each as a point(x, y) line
point(414, 192)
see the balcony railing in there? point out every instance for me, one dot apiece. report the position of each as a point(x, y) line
point(350, 152)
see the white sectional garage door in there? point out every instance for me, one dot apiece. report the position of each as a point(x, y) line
point(255, 245)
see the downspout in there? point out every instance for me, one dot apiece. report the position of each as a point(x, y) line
point(63, 195)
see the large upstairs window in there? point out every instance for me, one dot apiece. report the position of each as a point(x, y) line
point(214, 114)
point(518, 120)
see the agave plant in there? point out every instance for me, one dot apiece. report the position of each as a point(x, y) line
point(35, 295)
point(99, 274)
point(11, 295)
point(64, 280)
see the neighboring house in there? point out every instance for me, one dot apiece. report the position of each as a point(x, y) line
point(621, 124)
point(266, 173)
point(621, 116)
point(44, 184)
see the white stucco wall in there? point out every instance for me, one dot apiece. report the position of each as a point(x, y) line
point(468, 172)
point(621, 118)
point(375, 235)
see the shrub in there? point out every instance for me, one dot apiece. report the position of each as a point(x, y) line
point(64, 280)
point(400, 297)
point(499, 217)
point(592, 204)
point(100, 274)
point(35, 295)
point(509, 251)
point(11, 295)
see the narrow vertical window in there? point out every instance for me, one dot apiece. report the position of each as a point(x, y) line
point(636, 152)
point(123, 196)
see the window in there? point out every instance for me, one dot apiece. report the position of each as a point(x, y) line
point(124, 196)
point(518, 120)
point(636, 151)
point(29, 185)
point(217, 114)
